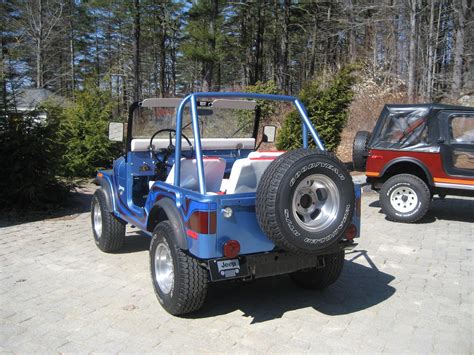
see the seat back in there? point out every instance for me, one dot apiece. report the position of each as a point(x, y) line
point(246, 173)
point(213, 173)
point(260, 154)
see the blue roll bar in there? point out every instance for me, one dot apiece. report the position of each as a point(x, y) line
point(307, 126)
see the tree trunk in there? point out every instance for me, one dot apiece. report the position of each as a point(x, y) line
point(352, 37)
point(209, 65)
point(39, 47)
point(312, 64)
point(259, 43)
point(97, 51)
point(137, 60)
point(429, 69)
point(461, 8)
point(283, 62)
point(435, 51)
point(412, 50)
point(162, 39)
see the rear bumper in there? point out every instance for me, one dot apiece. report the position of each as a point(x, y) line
point(274, 263)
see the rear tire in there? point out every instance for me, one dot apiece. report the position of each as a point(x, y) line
point(318, 279)
point(180, 283)
point(405, 198)
point(360, 150)
point(108, 230)
point(305, 200)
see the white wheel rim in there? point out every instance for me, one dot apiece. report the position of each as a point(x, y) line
point(404, 199)
point(164, 270)
point(97, 214)
point(316, 202)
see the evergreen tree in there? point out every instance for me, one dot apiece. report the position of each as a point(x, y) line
point(327, 106)
point(84, 131)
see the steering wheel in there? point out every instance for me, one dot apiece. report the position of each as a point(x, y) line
point(171, 148)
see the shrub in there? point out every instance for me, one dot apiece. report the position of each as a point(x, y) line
point(267, 108)
point(84, 133)
point(31, 160)
point(327, 107)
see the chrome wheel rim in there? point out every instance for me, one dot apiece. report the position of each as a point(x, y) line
point(97, 214)
point(403, 199)
point(164, 271)
point(316, 202)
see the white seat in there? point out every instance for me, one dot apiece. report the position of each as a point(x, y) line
point(213, 172)
point(245, 175)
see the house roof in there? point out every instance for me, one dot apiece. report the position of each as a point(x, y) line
point(28, 99)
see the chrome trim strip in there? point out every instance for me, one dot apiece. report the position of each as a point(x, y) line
point(454, 186)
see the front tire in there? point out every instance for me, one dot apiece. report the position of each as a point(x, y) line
point(405, 198)
point(180, 283)
point(320, 278)
point(108, 230)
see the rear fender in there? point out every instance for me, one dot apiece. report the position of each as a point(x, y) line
point(165, 209)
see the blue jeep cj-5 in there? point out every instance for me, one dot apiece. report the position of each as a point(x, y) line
point(217, 207)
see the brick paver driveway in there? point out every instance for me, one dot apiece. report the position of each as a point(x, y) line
point(406, 288)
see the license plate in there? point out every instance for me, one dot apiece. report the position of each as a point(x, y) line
point(227, 269)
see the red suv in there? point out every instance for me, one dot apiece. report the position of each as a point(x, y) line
point(415, 152)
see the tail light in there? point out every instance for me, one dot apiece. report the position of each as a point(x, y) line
point(351, 232)
point(231, 249)
point(202, 222)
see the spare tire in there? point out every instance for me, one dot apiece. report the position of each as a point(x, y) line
point(305, 200)
point(360, 150)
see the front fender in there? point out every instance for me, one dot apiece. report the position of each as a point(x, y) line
point(106, 187)
point(165, 209)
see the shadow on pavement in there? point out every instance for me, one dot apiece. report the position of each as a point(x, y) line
point(135, 242)
point(449, 209)
point(358, 288)
point(79, 202)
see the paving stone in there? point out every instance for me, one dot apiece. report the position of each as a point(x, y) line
point(405, 289)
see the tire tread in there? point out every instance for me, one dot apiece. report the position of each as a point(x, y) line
point(267, 191)
point(113, 230)
point(191, 289)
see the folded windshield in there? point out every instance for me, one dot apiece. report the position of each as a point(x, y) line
point(217, 119)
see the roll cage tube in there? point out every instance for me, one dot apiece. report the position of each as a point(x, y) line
point(306, 126)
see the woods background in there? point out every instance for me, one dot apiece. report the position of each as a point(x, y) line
point(144, 48)
point(101, 55)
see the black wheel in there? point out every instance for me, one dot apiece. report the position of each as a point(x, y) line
point(305, 200)
point(108, 230)
point(180, 283)
point(320, 278)
point(360, 150)
point(405, 198)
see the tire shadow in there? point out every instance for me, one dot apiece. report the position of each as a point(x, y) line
point(358, 288)
point(135, 241)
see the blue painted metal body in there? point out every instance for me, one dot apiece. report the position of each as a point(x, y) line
point(241, 226)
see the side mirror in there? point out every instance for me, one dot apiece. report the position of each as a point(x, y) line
point(116, 131)
point(269, 133)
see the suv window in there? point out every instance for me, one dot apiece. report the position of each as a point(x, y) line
point(405, 128)
point(462, 129)
point(462, 132)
